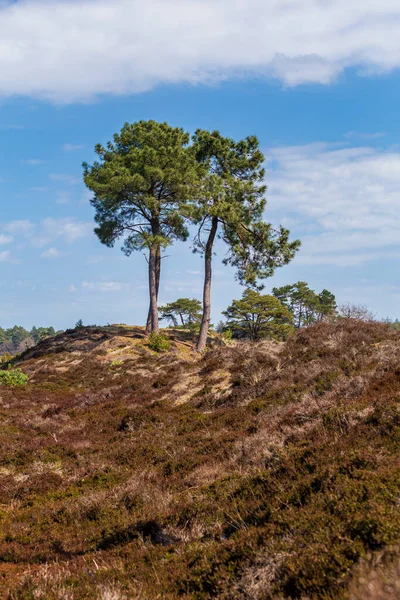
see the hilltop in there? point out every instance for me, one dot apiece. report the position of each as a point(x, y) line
point(257, 471)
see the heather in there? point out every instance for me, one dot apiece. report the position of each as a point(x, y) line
point(264, 470)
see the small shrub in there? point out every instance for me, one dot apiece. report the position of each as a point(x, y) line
point(227, 335)
point(159, 342)
point(325, 382)
point(5, 358)
point(116, 363)
point(13, 378)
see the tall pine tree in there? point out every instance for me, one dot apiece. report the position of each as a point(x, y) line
point(141, 183)
point(230, 207)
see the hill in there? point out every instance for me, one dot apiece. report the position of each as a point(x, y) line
point(258, 471)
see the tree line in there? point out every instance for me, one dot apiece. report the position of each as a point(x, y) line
point(256, 316)
point(153, 182)
point(17, 339)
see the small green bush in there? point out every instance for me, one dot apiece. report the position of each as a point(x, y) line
point(116, 363)
point(227, 335)
point(13, 378)
point(5, 358)
point(159, 342)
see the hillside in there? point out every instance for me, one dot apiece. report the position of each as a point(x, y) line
point(263, 471)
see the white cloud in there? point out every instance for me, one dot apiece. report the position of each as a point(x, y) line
point(355, 135)
point(47, 231)
point(5, 256)
point(72, 147)
point(22, 227)
point(72, 288)
point(51, 253)
point(70, 179)
point(69, 230)
point(34, 161)
point(5, 239)
point(76, 50)
point(104, 286)
point(346, 200)
point(39, 189)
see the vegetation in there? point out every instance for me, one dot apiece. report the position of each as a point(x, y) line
point(260, 471)
point(5, 358)
point(355, 311)
point(159, 342)
point(184, 311)
point(132, 467)
point(149, 184)
point(395, 324)
point(231, 207)
point(306, 306)
point(17, 339)
point(13, 378)
point(142, 182)
point(257, 316)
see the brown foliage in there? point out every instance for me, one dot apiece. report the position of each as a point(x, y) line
point(257, 471)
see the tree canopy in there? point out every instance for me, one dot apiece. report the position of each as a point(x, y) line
point(257, 316)
point(141, 184)
point(230, 207)
point(152, 181)
point(306, 305)
point(183, 312)
point(17, 339)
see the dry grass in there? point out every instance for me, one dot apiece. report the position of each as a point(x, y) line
point(377, 577)
point(257, 471)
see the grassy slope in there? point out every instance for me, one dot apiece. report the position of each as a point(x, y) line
point(256, 472)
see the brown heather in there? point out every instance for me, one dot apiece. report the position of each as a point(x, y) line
point(264, 471)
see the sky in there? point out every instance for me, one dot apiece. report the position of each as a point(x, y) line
point(318, 81)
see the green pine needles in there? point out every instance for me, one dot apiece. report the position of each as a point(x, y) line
point(154, 182)
point(256, 316)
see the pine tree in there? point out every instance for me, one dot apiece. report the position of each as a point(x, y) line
point(327, 305)
point(230, 207)
point(184, 311)
point(305, 304)
point(141, 183)
point(258, 316)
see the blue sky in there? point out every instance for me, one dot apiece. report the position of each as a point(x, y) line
point(318, 83)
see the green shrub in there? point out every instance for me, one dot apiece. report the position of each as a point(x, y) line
point(227, 335)
point(159, 342)
point(116, 363)
point(13, 378)
point(5, 358)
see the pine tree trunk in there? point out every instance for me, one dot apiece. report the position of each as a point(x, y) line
point(205, 321)
point(158, 275)
point(153, 288)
